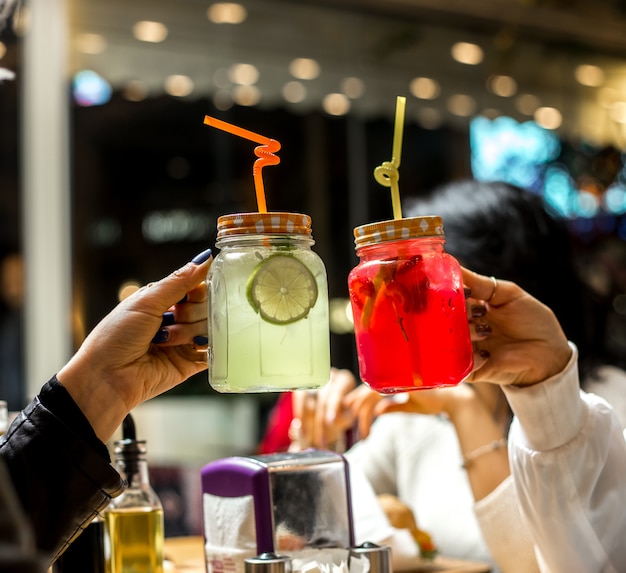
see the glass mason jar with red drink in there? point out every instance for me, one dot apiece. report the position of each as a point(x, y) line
point(408, 305)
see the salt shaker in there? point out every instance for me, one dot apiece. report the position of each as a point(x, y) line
point(379, 556)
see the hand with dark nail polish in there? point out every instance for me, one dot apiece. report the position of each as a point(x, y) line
point(168, 319)
point(161, 336)
point(144, 347)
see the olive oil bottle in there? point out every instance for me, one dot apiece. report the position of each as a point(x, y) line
point(134, 528)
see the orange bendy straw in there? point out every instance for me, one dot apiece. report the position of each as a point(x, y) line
point(265, 153)
point(387, 173)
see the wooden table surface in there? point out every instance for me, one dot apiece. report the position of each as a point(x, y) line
point(186, 555)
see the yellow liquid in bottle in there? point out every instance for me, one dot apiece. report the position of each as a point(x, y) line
point(135, 540)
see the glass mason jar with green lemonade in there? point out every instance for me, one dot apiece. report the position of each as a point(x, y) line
point(268, 306)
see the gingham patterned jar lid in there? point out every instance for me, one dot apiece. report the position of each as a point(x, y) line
point(398, 229)
point(263, 224)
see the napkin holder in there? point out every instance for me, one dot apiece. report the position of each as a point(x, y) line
point(293, 503)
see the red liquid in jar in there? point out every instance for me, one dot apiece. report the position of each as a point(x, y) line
point(410, 323)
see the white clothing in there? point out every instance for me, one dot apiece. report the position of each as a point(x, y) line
point(568, 462)
point(417, 458)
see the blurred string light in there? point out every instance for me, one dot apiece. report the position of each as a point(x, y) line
point(503, 86)
point(304, 68)
point(425, 88)
point(149, 31)
point(588, 75)
point(336, 104)
point(178, 85)
point(503, 149)
point(246, 95)
point(243, 74)
point(467, 53)
point(227, 13)
point(548, 117)
point(89, 88)
point(352, 87)
point(294, 92)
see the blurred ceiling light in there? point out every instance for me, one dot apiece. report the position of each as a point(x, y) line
point(353, 88)
point(461, 105)
point(135, 90)
point(247, 95)
point(617, 111)
point(148, 31)
point(527, 104)
point(226, 13)
point(294, 92)
point(503, 86)
point(3, 50)
point(178, 85)
point(588, 75)
point(467, 53)
point(336, 104)
point(548, 117)
point(304, 68)
point(222, 100)
point(243, 74)
point(424, 88)
point(126, 289)
point(90, 43)
point(429, 118)
point(221, 78)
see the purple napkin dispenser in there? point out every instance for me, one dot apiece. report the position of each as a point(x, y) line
point(276, 503)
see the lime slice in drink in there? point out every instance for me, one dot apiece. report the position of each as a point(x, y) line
point(281, 289)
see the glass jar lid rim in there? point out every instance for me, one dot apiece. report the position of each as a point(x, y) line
point(398, 229)
point(276, 222)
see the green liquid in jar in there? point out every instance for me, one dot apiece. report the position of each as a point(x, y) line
point(253, 354)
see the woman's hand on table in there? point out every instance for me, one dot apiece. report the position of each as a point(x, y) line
point(149, 343)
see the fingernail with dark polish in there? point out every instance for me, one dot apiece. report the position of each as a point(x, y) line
point(484, 354)
point(182, 300)
point(161, 336)
point(478, 310)
point(467, 292)
point(203, 256)
point(200, 340)
point(482, 329)
point(168, 319)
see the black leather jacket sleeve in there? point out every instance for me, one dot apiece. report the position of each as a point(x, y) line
point(59, 468)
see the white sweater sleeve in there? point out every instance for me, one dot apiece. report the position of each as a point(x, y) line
point(505, 533)
point(568, 463)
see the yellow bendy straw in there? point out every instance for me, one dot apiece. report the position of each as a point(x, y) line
point(265, 153)
point(387, 173)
